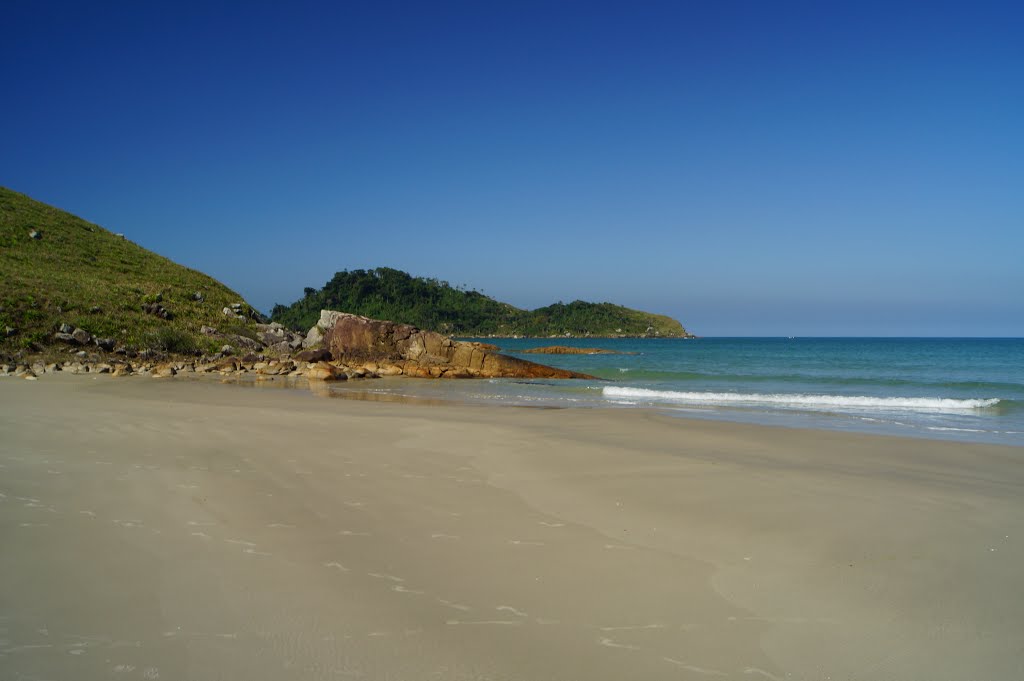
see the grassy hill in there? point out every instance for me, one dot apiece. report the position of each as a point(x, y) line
point(385, 293)
point(77, 273)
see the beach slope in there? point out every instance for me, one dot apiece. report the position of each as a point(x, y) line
point(189, 530)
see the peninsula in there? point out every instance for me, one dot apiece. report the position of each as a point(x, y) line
point(386, 293)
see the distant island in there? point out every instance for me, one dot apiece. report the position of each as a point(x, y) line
point(385, 293)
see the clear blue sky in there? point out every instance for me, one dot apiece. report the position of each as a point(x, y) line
point(751, 168)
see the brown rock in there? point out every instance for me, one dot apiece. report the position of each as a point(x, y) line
point(322, 371)
point(314, 356)
point(387, 369)
point(164, 371)
point(121, 370)
point(565, 350)
point(359, 340)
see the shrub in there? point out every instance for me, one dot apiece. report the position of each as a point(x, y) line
point(173, 341)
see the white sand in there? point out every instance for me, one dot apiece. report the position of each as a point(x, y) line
point(186, 530)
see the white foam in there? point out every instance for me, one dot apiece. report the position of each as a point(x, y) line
point(931, 404)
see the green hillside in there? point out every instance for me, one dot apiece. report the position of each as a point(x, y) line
point(385, 293)
point(56, 269)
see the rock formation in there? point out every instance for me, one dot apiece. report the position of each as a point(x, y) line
point(388, 347)
point(565, 350)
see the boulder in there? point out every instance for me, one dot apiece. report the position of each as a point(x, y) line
point(274, 368)
point(322, 371)
point(164, 371)
point(314, 337)
point(106, 344)
point(81, 336)
point(121, 369)
point(566, 350)
point(269, 337)
point(355, 340)
point(314, 356)
point(386, 369)
point(157, 310)
point(279, 349)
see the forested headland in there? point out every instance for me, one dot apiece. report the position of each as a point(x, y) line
point(385, 293)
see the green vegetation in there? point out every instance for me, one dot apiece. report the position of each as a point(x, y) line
point(385, 293)
point(77, 273)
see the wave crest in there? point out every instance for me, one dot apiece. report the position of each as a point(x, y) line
point(931, 404)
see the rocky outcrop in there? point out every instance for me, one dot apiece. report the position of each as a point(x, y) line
point(565, 350)
point(425, 354)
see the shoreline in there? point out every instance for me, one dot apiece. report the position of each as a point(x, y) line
point(261, 534)
point(440, 392)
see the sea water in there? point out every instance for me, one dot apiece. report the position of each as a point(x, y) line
point(965, 389)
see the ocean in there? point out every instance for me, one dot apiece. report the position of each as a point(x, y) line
point(945, 388)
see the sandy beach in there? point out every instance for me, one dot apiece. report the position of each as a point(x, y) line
point(176, 529)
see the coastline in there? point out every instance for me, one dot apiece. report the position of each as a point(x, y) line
point(195, 530)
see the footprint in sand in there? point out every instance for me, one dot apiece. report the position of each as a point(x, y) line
point(694, 669)
point(634, 627)
point(456, 606)
point(402, 590)
point(254, 552)
point(514, 611)
point(609, 643)
point(380, 575)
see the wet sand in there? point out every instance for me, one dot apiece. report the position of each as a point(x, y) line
point(172, 529)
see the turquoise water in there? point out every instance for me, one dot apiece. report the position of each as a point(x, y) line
point(967, 389)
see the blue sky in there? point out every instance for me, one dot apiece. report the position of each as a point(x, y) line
point(750, 168)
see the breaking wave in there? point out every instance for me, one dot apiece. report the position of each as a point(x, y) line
point(804, 401)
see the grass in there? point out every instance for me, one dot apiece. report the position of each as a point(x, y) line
point(81, 274)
